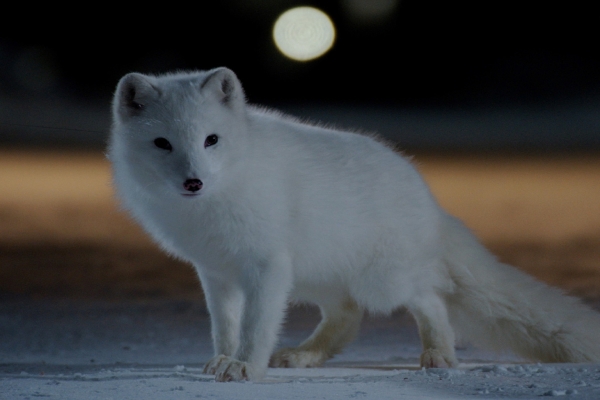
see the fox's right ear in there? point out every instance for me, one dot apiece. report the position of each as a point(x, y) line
point(134, 92)
point(223, 84)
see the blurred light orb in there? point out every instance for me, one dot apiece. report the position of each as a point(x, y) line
point(303, 33)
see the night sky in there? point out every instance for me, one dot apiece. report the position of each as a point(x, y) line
point(419, 53)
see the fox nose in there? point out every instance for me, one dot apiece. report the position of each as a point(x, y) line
point(192, 185)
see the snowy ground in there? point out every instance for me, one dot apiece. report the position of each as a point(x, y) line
point(155, 350)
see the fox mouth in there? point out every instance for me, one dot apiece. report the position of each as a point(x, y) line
point(190, 194)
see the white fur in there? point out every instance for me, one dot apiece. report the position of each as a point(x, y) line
point(292, 211)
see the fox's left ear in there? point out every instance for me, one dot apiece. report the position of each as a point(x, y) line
point(223, 84)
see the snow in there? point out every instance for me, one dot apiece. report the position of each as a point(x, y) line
point(156, 350)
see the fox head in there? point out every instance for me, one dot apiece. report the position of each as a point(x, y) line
point(177, 134)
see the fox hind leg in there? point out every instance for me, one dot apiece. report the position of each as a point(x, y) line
point(437, 335)
point(340, 322)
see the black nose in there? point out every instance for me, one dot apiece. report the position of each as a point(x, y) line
point(192, 185)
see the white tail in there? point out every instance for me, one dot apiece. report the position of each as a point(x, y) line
point(497, 306)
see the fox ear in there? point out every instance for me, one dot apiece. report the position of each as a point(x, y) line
point(134, 92)
point(225, 86)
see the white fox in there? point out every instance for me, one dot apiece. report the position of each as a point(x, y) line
point(269, 210)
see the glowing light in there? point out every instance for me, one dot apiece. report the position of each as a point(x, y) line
point(303, 33)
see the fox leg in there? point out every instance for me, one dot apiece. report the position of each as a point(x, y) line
point(437, 336)
point(225, 304)
point(264, 288)
point(340, 322)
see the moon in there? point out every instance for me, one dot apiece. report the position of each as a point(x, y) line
point(303, 33)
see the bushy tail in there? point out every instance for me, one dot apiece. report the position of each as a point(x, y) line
point(497, 306)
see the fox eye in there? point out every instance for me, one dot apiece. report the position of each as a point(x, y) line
point(163, 143)
point(211, 140)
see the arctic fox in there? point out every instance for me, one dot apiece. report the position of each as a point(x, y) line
point(270, 210)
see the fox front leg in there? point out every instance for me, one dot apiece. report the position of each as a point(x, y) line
point(265, 296)
point(225, 301)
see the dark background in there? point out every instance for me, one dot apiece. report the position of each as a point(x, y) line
point(429, 74)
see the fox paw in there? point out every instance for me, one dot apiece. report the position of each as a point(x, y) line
point(296, 358)
point(432, 358)
point(227, 369)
